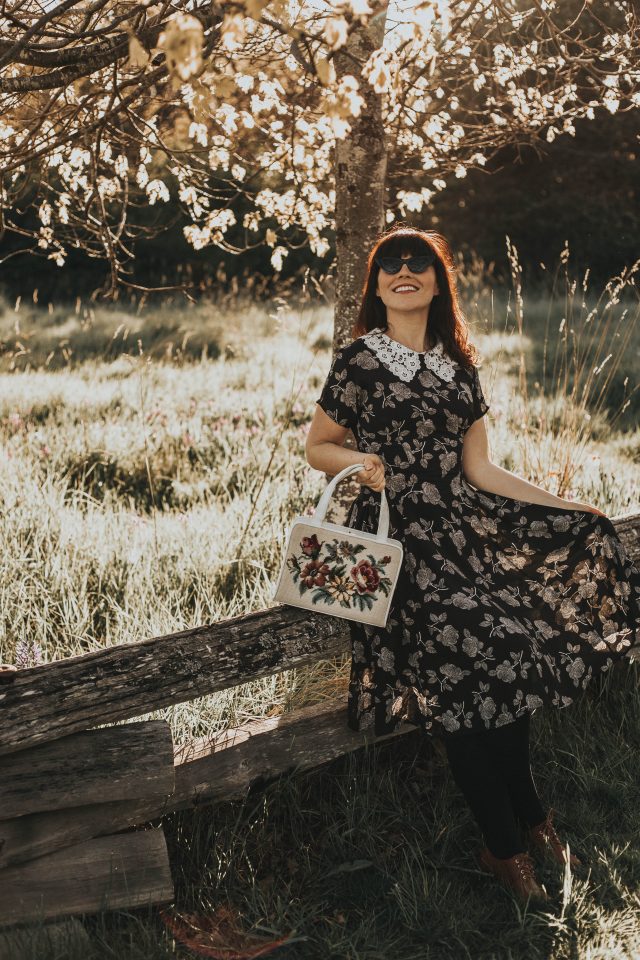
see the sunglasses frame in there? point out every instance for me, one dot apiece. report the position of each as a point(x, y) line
point(412, 262)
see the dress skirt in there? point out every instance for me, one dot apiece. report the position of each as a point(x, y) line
point(502, 606)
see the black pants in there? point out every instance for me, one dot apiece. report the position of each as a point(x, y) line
point(493, 771)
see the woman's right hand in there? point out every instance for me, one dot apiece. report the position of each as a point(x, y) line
point(373, 473)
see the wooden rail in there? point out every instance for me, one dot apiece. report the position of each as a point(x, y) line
point(222, 767)
point(68, 789)
point(57, 775)
point(129, 680)
point(126, 681)
point(122, 871)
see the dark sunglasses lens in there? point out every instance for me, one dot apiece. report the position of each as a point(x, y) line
point(390, 264)
point(415, 264)
point(419, 264)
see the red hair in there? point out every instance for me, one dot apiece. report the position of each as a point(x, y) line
point(446, 319)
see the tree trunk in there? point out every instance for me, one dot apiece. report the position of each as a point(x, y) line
point(360, 179)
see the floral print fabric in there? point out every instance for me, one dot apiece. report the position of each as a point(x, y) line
point(502, 605)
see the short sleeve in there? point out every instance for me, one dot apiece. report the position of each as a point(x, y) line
point(480, 405)
point(339, 395)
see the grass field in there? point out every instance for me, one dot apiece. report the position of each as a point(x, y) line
point(151, 462)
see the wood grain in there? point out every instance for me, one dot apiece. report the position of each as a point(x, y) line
point(218, 768)
point(107, 873)
point(60, 938)
point(131, 761)
point(129, 680)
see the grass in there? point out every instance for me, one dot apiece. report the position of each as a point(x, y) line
point(146, 492)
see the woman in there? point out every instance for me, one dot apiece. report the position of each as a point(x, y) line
point(509, 599)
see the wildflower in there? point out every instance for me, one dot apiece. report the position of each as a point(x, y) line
point(28, 654)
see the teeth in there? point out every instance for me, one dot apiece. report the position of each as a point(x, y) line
point(405, 286)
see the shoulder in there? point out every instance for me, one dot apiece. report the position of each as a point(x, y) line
point(353, 355)
point(353, 364)
point(470, 367)
point(354, 347)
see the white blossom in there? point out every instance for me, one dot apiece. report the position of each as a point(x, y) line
point(142, 176)
point(121, 165)
point(277, 257)
point(233, 30)
point(198, 132)
point(335, 32)
point(157, 190)
point(611, 101)
point(44, 212)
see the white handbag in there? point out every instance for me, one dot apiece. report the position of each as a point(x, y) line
point(340, 571)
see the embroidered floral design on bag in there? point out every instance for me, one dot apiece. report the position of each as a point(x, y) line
point(332, 570)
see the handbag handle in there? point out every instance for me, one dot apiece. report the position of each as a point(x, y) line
point(321, 510)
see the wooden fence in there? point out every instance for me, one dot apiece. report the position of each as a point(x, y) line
point(70, 786)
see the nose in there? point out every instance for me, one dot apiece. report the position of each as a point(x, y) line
point(404, 274)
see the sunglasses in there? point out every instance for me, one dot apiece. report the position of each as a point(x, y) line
point(416, 264)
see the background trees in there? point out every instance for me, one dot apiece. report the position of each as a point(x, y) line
point(297, 130)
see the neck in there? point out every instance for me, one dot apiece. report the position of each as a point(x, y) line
point(409, 328)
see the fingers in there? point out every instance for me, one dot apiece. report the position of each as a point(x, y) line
point(374, 476)
point(376, 482)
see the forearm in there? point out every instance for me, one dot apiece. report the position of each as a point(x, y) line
point(331, 458)
point(494, 479)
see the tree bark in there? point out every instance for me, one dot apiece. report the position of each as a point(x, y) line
point(360, 179)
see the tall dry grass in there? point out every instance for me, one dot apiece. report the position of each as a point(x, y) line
point(146, 490)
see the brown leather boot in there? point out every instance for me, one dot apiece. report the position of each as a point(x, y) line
point(544, 838)
point(516, 873)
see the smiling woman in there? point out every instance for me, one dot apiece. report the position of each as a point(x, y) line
point(503, 605)
point(477, 589)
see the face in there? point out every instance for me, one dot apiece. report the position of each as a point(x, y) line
point(406, 290)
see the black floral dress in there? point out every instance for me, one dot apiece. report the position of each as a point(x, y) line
point(502, 605)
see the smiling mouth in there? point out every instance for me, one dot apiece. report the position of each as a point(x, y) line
point(405, 288)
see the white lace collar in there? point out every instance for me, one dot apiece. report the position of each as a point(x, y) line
point(405, 362)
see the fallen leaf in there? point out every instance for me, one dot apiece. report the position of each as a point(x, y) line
point(218, 936)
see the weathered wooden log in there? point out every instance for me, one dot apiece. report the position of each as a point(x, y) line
point(107, 873)
point(217, 768)
point(132, 761)
point(228, 766)
point(61, 938)
point(26, 838)
point(129, 680)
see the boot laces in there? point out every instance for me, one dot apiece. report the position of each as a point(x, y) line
point(525, 866)
point(548, 832)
